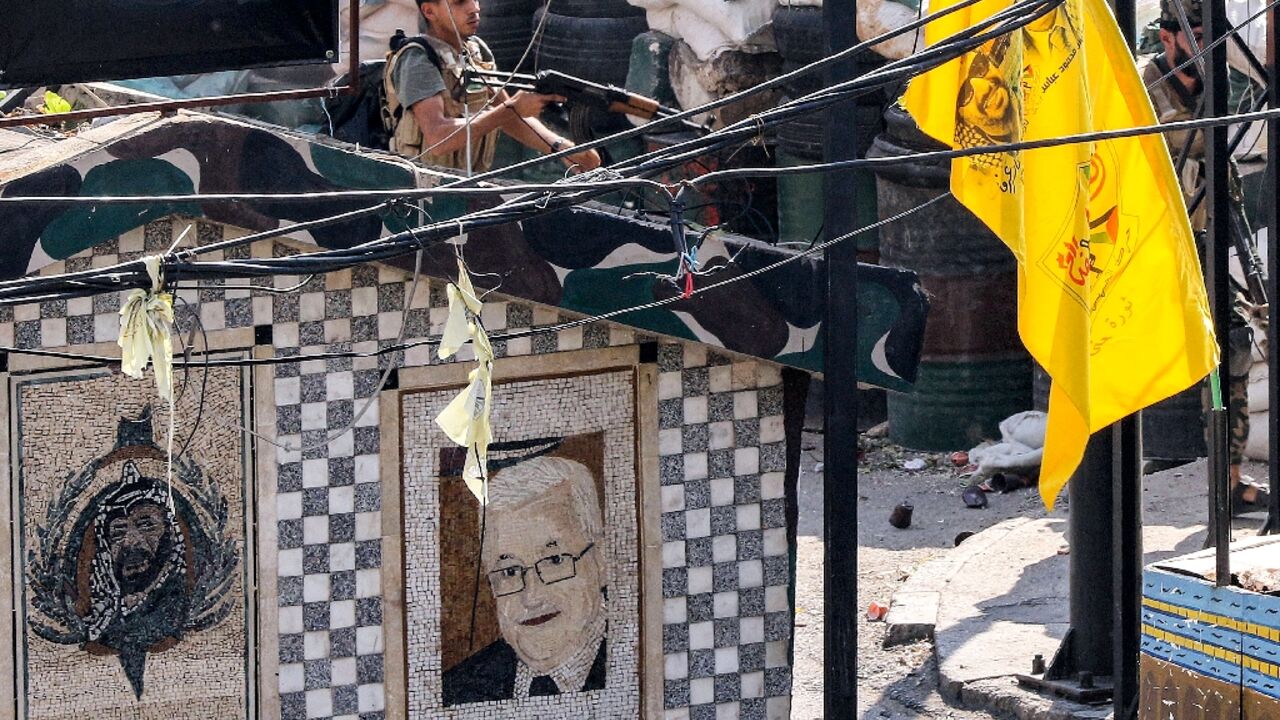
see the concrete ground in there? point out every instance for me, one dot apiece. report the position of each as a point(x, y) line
point(997, 599)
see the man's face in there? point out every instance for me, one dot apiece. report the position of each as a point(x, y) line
point(1178, 48)
point(986, 101)
point(135, 537)
point(542, 620)
point(448, 19)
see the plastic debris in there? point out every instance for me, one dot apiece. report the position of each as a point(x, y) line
point(876, 611)
point(960, 458)
point(914, 464)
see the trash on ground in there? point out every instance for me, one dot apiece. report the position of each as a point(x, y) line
point(1008, 482)
point(1020, 449)
point(974, 497)
point(960, 458)
point(914, 464)
point(901, 515)
point(876, 611)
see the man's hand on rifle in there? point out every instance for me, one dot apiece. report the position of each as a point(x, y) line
point(530, 104)
point(530, 131)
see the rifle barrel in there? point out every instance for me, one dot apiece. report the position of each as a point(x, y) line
point(503, 75)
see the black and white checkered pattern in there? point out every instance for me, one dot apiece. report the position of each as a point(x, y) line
point(726, 614)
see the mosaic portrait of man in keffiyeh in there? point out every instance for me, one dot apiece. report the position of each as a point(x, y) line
point(132, 563)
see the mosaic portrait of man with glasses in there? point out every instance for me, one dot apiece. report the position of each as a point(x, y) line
point(544, 565)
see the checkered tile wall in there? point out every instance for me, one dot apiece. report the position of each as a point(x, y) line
point(726, 617)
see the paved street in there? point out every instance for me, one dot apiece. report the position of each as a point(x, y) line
point(902, 682)
point(898, 682)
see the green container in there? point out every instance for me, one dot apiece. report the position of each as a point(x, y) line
point(800, 202)
point(649, 72)
point(959, 403)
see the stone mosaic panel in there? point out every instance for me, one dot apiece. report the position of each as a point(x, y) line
point(135, 582)
point(720, 441)
point(725, 569)
point(556, 609)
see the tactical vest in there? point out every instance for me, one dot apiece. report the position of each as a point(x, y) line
point(459, 101)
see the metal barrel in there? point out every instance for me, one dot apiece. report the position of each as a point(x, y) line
point(974, 371)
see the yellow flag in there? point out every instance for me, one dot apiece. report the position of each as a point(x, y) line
point(464, 306)
point(466, 418)
point(1110, 296)
point(466, 421)
point(146, 324)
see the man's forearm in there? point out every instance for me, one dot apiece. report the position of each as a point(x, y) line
point(450, 134)
point(531, 133)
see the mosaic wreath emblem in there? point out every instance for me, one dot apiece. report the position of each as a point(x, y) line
point(114, 571)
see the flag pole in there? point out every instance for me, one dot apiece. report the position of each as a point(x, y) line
point(1218, 243)
point(1273, 274)
point(1126, 515)
point(840, 406)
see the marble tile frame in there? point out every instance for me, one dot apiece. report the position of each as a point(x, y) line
point(649, 546)
point(259, 560)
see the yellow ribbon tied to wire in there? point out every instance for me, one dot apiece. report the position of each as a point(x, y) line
point(465, 420)
point(146, 327)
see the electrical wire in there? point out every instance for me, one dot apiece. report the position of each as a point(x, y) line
point(129, 274)
point(454, 188)
point(402, 346)
point(385, 248)
point(398, 244)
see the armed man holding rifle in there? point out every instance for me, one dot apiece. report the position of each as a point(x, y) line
point(439, 111)
point(1178, 98)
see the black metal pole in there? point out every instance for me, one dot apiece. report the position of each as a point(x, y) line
point(1273, 274)
point(1217, 246)
point(1126, 516)
point(1091, 566)
point(840, 479)
point(1126, 572)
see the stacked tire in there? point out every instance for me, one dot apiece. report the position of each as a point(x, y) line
point(590, 39)
point(505, 27)
point(800, 37)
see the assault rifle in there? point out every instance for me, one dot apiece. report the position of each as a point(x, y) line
point(1242, 238)
point(610, 98)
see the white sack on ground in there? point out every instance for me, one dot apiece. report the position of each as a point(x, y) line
point(1020, 449)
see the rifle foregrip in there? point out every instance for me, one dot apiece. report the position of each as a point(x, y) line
point(637, 105)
